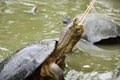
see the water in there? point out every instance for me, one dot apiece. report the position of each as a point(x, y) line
point(19, 25)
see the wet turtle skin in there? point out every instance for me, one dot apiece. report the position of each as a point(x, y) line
point(26, 60)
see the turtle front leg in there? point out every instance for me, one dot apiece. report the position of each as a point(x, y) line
point(56, 71)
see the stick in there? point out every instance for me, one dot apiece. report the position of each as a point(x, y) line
point(80, 21)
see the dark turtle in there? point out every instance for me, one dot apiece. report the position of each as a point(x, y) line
point(99, 28)
point(40, 59)
point(26, 60)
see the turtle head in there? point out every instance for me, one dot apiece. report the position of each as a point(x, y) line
point(70, 36)
point(77, 31)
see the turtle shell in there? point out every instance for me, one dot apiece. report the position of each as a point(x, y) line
point(98, 27)
point(23, 62)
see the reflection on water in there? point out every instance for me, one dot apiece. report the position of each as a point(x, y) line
point(21, 23)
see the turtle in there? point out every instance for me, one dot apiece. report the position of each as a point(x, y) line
point(41, 60)
point(98, 28)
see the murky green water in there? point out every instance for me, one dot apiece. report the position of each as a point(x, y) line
point(20, 26)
